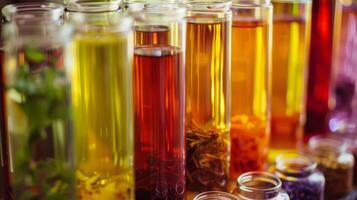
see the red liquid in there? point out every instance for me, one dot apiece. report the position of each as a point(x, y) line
point(159, 123)
point(4, 163)
point(320, 66)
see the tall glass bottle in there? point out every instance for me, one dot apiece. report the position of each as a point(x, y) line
point(251, 60)
point(159, 96)
point(343, 95)
point(317, 109)
point(37, 85)
point(102, 101)
point(291, 39)
point(21, 14)
point(208, 81)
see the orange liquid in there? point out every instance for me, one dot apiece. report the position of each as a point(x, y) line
point(249, 140)
point(249, 130)
point(290, 50)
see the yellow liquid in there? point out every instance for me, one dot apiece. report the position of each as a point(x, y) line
point(291, 41)
point(208, 102)
point(103, 115)
point(249, 124)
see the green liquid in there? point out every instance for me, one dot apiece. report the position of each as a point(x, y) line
point(103, 115)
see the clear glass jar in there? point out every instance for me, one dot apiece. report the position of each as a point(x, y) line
point(291, 42)
point(260, 186)
point(159, 100)
point(251, 31)
point(21, 13)
point(37, 90)
point(300, 177)
point(208, 98)
point(217, 195)
point(335, 162)
point(343, 95)
point(102, 96)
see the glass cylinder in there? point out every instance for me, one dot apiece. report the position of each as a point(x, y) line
point(300, 177)
point(37, 85)
point(251, 60)
point(335, 162)
point(320, 62)
point(21, 14)
point(208, 94)
point(159, 96)
point(102, 101)
point(217, 195)
point(260, 186)
point(291, 41)
point(343, 95)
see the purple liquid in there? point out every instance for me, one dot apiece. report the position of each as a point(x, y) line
point(344, 115)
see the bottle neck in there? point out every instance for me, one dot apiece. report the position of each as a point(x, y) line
point(258, 185)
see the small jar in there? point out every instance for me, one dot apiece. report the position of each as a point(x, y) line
point(217, 195)
point(300, 177)
point(260, 186)
point(335, 162)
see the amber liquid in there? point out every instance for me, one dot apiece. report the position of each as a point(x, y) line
point(290, 50)
point(250, 65)
point(151, 35)
point(208, 103)
point(159, 117)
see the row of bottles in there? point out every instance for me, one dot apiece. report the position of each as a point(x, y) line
point(166, 97)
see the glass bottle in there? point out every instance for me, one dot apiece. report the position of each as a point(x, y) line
point(102, 101)
point(208, 94)
point(260, 186)
point(300, 177)
point(320, 61)
point(251, 61)
point(21, 14)
point(343, 95)
point(217, 195)
point(37, 85)
point(159, 100)
point(335, 162)
point(291, 42)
